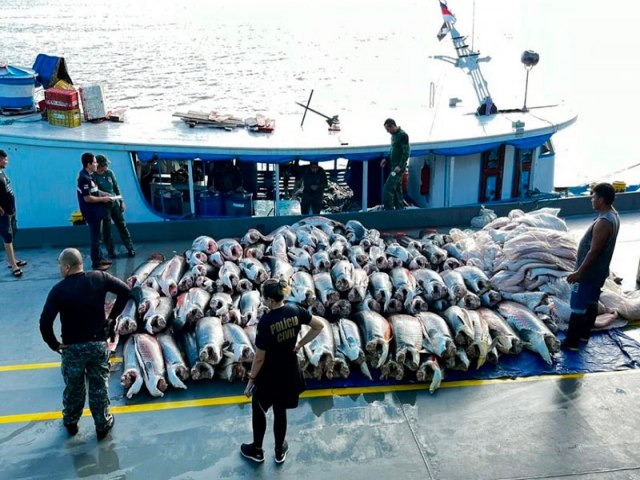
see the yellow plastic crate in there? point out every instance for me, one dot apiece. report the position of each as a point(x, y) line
point(64, 118)
point(619, 186)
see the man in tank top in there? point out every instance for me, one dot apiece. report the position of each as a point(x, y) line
point(592, 266)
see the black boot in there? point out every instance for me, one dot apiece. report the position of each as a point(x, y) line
point(589, 321)
point(572, 340)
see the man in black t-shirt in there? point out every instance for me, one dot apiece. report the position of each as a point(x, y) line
point(8, 223)
point(79, 300)
point(91, 202)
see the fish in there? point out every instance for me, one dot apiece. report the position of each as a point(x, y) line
point(175, 364)
point(408, 339)
point(360, 286)
point(357, 256)
point(230, 370)
point(460, 324)
point(299, 259)
point(340, 363)
point(150, 359)
point(376, 336)
point(404, 284)
point(474, 279)
point(251, 307)
point(131, 379)
point(535, 335)
point(434, 254)
point(142, 271)
point(127, 321)
point(490, 298)
point(529, 299)
point(229, 276)
point(320, 262)
point(216, 259)
point(278, 248)
point(327, 294)
point(355, 231)
point(437, 337)
point(341, 308)
point(378, 257)
point(504, 336)
point(199, 370)
point(351, 346)
point(253, 236)
point(238, 346)
point(397, 251)
point(220, 304)
point(430, 283)
point(430, 371)
point(187, 281)
point(205, 244)
point(190, 307)
point(157, 318)
point(303, 289)
point(321, 352)
point(254, 251)
point(171, 275)
point(277, 268)
point(342, 275)
point(482, 342)
point(210, 339)
point(470, 301)
point(145, 298)
point(152, 279)
point(195, 257)
point(455, 285)
point(230, 249)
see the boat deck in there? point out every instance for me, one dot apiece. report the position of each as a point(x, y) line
point(579, 425)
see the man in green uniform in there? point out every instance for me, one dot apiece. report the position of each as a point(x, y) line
point(398, 158)
point(106, 181)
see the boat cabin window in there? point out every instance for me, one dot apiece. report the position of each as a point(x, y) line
point(522, 173)
point(491, 175)
point(233, 188)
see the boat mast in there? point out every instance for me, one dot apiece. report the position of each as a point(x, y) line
point(466, 58)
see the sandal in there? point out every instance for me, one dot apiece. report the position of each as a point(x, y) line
point(17, 272)
point(19, 263)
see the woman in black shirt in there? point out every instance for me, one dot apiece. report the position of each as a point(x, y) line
point(275, 379)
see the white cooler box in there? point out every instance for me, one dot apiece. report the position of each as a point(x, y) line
point(92, 98)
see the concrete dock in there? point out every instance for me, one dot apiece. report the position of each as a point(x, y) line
point(571, 426)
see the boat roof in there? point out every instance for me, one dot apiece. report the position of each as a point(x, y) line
point(150, 131)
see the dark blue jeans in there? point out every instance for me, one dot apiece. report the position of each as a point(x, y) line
point(95, 227)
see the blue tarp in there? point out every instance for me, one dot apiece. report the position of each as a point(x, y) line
point(50, 69)
point(607, 351)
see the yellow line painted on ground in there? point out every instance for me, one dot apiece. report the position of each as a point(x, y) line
point(322, 392)
point(40, 366)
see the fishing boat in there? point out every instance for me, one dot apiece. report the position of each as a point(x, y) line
point(464, 155)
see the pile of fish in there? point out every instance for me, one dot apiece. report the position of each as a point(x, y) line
point(402, 307)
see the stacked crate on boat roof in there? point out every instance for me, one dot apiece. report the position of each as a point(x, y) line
point(63, 107)
point(92, 98)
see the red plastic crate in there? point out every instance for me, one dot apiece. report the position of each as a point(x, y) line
point(59, 99)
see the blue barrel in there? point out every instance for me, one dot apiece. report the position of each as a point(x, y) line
point(209, 204)
point(238, 204)
point(17, 87)
point(168, 202)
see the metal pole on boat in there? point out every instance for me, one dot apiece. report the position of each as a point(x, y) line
point(276, 181)
point(365, 185)
point(529, 59)
point(306, 108)
point(192, 202)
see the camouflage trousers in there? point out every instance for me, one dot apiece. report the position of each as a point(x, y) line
point(115, 213)
point(392, 193)
point(86, 363)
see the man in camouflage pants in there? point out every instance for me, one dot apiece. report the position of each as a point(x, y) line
point(79, 298)
point(398, 158)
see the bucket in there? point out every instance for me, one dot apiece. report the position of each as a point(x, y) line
point(17, 87)
point(238, 204)
point(168, 202)
point(209, 204)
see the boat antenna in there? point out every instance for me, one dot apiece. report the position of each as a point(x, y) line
point(529, 59)
point(473, 26)
point(467, 59)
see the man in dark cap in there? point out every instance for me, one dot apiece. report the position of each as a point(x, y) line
point(107, 183)
point(314, 182)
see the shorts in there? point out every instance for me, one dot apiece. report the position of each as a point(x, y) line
point(8, 227)
point(582, 294)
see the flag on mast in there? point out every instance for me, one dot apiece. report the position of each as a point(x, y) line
point(444, 29)
point(446, 13)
